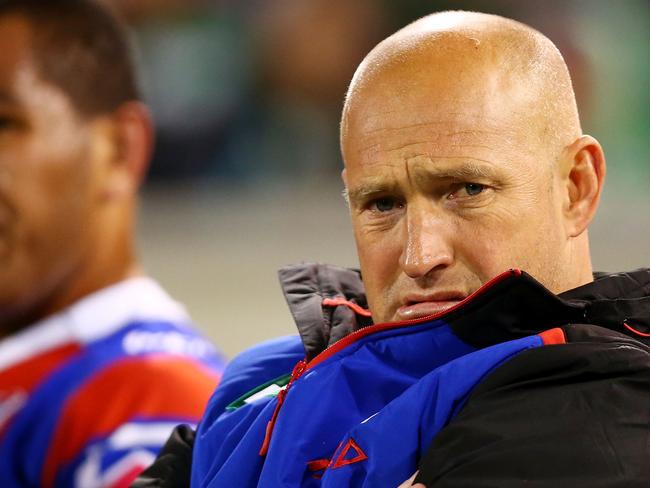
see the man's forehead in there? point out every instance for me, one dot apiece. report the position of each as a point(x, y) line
point(424, 169)
point(441, 92)
point(431, 121)
point(449, 135)
point(396, 113)
point(396, 107)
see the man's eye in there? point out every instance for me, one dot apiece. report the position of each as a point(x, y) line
point(466, 191)
point(384, 204)
point(473, 189)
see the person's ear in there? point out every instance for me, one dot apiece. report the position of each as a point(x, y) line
point(131, 137)
point(585, 175)
point(344, 178)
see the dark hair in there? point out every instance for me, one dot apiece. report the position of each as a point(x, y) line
point(80, 47)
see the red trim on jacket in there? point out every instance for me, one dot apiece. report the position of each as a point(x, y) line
point(350, 446)
point(553, 336)
point(335, 302)
point(634, 331)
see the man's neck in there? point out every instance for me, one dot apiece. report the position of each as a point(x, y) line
point(61, 297)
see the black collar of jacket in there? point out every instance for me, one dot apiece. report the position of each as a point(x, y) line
point(514, 307)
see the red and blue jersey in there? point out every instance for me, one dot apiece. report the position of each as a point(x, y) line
point(88, 396)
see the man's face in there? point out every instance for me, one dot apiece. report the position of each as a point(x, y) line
point(447, 188)
point(46, 195)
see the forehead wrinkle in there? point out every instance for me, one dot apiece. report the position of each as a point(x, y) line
point(373, 147)
point(441, 129)
point(468, 169)
point(375, 152)
point(484, 120)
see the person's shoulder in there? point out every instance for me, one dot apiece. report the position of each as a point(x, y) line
point(133, 317)
point(157, 386)
point(266, 354)
point(162, 368)
point(155, 392)
point(264, 361)
point(162, 372)
point(168, 338)
point(254, 367)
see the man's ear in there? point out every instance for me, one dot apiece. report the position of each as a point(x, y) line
point(132, 137)
point(585, 174)
point(344, 177)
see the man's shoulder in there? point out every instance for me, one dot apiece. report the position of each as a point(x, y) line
point(137, 317)
point(261, 363)
point(256, 366)
point(160, 382)
point(268, 354)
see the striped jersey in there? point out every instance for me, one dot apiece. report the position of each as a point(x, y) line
point(88, 396)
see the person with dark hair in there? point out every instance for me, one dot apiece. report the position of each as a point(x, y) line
point(97, 362)
point(476, 347)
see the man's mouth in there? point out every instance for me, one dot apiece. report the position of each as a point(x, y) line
point(419, 306)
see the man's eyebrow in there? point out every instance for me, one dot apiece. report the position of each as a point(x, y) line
point(368, 189)
point(467, 171)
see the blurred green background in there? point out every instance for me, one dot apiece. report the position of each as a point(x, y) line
point(246, 95)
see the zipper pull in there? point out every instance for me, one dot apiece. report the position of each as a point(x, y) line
point(298, 369)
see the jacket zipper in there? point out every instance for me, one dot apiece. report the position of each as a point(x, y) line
point(341, 344)
point(295, 374)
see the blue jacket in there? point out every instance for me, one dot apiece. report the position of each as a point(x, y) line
point(364, 409)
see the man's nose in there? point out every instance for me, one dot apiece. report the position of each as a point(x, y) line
point(427, 245)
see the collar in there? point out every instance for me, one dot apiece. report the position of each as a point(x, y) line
point(515, 305)
point(616, 299)
point(94, 317)
point(307, 287)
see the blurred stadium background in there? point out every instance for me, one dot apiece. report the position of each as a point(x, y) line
point(246, 96)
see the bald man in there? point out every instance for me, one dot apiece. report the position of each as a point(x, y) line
point(491, 355)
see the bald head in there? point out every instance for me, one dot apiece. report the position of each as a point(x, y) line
point(464, 157)
point(450, 59)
